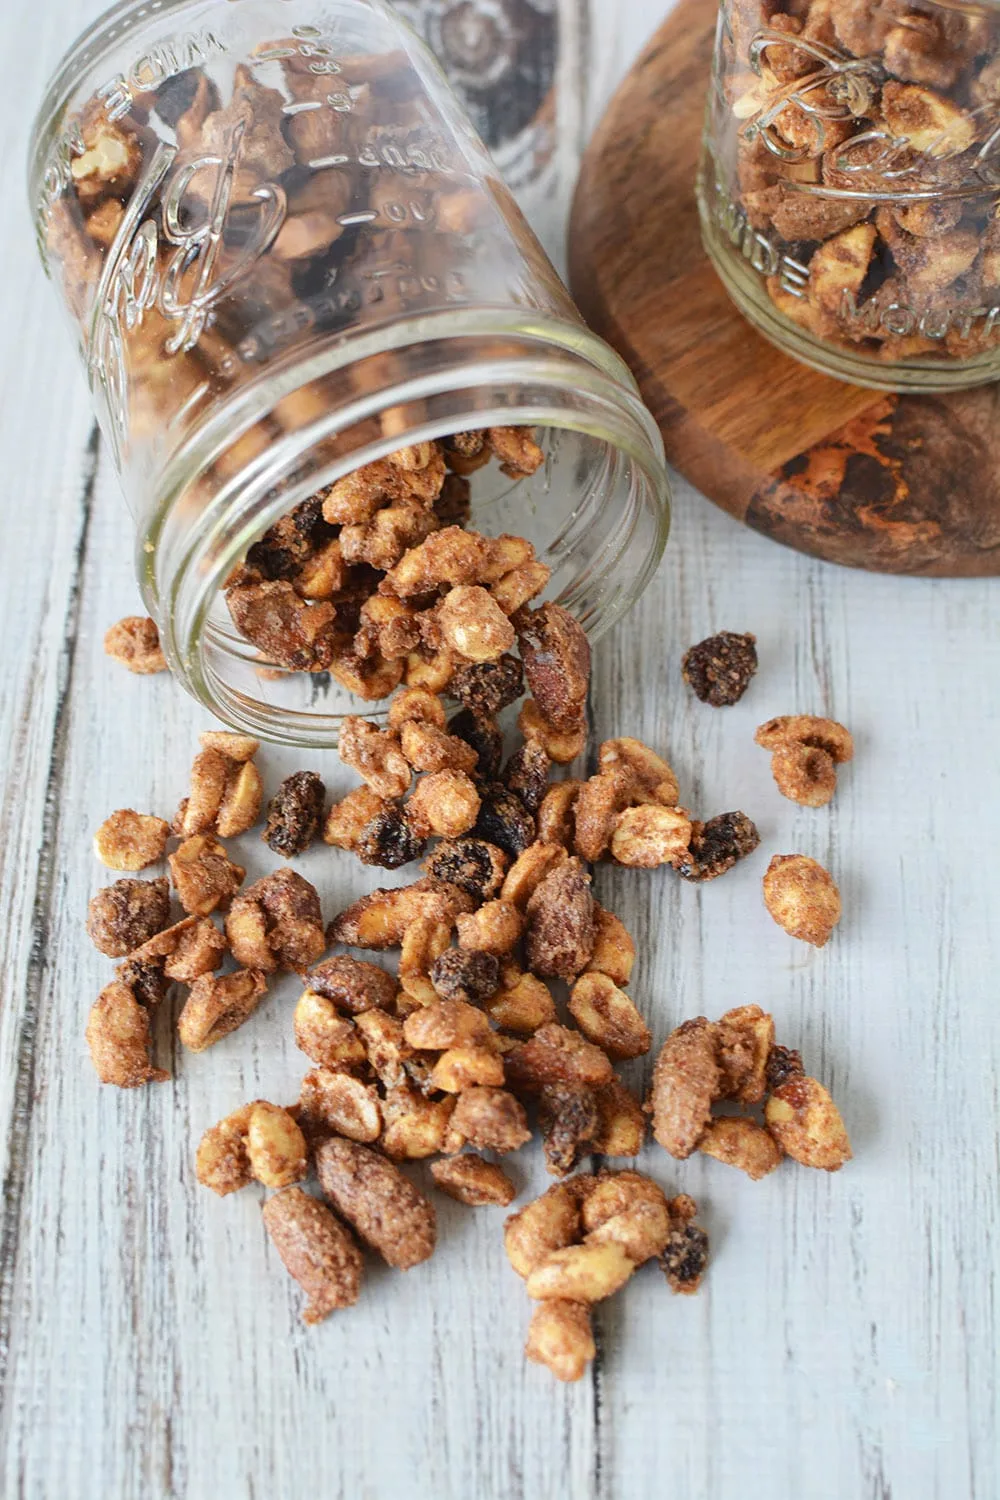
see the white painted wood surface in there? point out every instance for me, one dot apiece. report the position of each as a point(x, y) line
point(845, 1343)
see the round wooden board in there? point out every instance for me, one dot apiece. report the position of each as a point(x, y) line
point(899, 484)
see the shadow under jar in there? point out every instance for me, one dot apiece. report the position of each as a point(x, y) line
point(849, 184)
point(286, 254)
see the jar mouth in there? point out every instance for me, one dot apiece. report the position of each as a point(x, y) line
point(597, 512)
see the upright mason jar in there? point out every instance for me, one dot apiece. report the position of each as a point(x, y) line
point(285, 254)
point(849, 184)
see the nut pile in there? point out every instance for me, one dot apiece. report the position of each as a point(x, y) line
point(898, 100)
point(508, 1006)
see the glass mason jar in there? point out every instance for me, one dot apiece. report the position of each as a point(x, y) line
point(285, 254)
point(849, 183)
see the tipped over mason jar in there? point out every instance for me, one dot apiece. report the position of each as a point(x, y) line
point(849, 184)
point(286, 256)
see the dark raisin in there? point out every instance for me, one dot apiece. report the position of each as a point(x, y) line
point(485, 737)
point(453, 507)
point(486, 687)
point(175, 95)
point(783, 1063)
point(294, 813)
point(685, 1257)
point(467, 444)
point(504, 820)
point(526, 774)
point(715, 846)
point(469, 976)
point(146, 979)
point(569, 1121)
point(471, 864)
point(125, 915)
point(389, 841)
point(718, 670)
point(285, 548)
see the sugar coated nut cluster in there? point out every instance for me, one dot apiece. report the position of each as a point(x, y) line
point(704, 1063)
point(830, 102)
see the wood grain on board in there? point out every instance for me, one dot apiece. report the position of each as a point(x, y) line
point(845, 1341)
point(898, 484)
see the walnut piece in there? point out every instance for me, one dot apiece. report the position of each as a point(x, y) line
point(118, 1036)
point(203, 874)
point(718, 670)
point(802, 898)
point(386, 1210)
point(129, 840)
point(652, 772)
point(318, 1251)
point(123, 916)
point(376, 755)
point(135, 642)
point(472, 1180)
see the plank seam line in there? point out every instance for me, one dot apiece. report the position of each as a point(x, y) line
point(15, 1177)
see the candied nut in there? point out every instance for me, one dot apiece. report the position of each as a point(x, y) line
point(130, 841)
point(804, 775)
point(110, 163)
point(294, 814)
point(276, 923)
point(718, 670)
point(685, 1256)
point(347, 820)
point(226, 789)
point(384, 1207)
point(380, 919)
point(217, 1005)
point(292, 543)
point(931, 124)
point(607, 1016)
point(123, 916)
point(135, 642)
point(388, 537)
point(648, 836)
point(446, 1023)
point(621, 1126)
point(559, 941)
point(840, 266)
point(807, 729)
point(446, 803)
point(473, 865)
point(472, 1180)
point(487, 687)
point(325, 1036)
point(222, 1162)
point(569, 1121)
point(416, 705)
point(415, 1126)
point(686, 1081)
point(555, 816)
point(744, 1042)
point(556, 657)
point(453, 507)
point(560, 745)
point(385, 1047)
point(376, 755)
point(364, 491)
point(450, 558)
point(522, 1003)
point(518, 587)
point(561, 1338)
point(475, 1065)
point(238, 747)
point(276, 1147)
point(333, 1100)
point(742, 1143)
point(526, 774)
point(473, 624)
point(491, 1119)
point(204, 875)
point(288, 631)
point(614, 950)
point(717, 845)
point(459, 975)
point(596, 810)
point(806, 1124)
point(549, 1223)
point(240, 806)
point(653, 773)
point(463, 448)
point(802, 898)
point(389, 839)
point(581, 1273)
point(317, 1250)
point(118, 1038)
point(494, 928)
point(371, 679)
point(353, 985)
point(484, 736)
point(431, 670)
point(529, 870)
point(516, 449)
point(199, 948)
point(428, 748)
point(556, 1055)
point(423, 944)
point(628, 1209)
